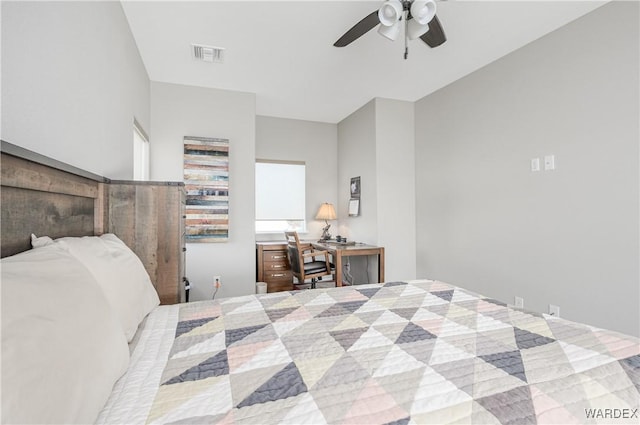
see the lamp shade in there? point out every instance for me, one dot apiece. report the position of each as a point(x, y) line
point(416, 29)
point(326, 212)
point(390, 12)
point(390, 32)
point(423, 11)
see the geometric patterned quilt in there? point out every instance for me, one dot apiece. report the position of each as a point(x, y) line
point(397, 353)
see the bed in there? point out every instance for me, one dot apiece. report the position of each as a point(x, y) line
point(419, 351)
point(76, 350)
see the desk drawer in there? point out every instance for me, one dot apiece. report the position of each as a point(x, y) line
point(280, 286)
point(278, 276)
point(275, 256)
point(276, 266)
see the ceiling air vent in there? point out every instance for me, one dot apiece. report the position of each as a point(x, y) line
point(208, 53)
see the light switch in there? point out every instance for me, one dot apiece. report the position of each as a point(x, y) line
point(535, 164)
point(549, 162)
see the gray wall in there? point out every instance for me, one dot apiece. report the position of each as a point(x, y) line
point(377, 142)
point(316, 144)
point(567, 237)
point(395, 147)
point(178, 111)
point(357, 157)
point(72, 83)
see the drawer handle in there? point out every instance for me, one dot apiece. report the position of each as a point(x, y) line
point(278, 275)
point(279, 256)
point(278, 266)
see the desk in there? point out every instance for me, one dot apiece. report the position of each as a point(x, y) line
point(338, 251)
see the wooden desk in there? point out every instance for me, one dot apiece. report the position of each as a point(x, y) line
point(338, 251)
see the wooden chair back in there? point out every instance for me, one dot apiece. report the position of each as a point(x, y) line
point(299, 252)
point(294, 253)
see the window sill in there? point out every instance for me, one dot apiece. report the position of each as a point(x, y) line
point(276, 236)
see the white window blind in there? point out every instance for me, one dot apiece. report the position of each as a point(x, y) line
point(280, 196)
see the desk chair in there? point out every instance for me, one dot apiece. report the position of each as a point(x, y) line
point(299, 254)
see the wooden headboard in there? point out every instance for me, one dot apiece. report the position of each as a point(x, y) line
point(46, 197)
point(49, 198)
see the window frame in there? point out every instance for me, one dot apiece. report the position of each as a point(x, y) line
point(140, 153)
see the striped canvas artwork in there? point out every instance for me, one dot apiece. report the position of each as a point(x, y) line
point(206, 179)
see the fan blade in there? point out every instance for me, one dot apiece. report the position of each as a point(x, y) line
point(435, 36)
point(358, 30)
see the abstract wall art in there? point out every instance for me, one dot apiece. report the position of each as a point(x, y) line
point(206, 179)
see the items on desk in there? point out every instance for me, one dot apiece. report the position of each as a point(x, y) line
point(339, 240)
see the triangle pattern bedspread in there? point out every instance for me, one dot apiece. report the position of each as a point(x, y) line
point(397, 353)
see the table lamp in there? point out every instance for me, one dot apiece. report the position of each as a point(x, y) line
point(326, 212)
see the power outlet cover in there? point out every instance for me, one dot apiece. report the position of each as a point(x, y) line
point(549, 162)
point(518, 302)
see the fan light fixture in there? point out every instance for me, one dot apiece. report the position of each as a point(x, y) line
point(389, 15)
point(417, 15)
point(422, 13)
point(420, 21)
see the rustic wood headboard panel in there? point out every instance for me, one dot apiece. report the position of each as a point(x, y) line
point(46, 197)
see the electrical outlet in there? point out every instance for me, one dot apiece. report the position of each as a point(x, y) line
point(549, 162)
point(554, 310)
point(217, 281)
point(518, 302)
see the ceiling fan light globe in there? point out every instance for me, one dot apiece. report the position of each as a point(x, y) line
point(390, 12)
point(391, 32)
point(423, 11)
point(415, 29)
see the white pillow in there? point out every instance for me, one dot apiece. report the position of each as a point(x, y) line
point(62, 346)
point(120, 274)
point(38, 242)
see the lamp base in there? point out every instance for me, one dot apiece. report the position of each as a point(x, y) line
point(325, 233)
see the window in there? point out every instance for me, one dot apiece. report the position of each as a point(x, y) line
point(280, 196)
point(140, 153)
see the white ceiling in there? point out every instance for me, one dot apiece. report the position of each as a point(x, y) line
point(283, 51)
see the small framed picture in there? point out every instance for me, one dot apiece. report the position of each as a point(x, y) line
point(354, 207)
point(354, 188)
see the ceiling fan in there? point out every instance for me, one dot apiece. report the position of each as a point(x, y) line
point(419, 18)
